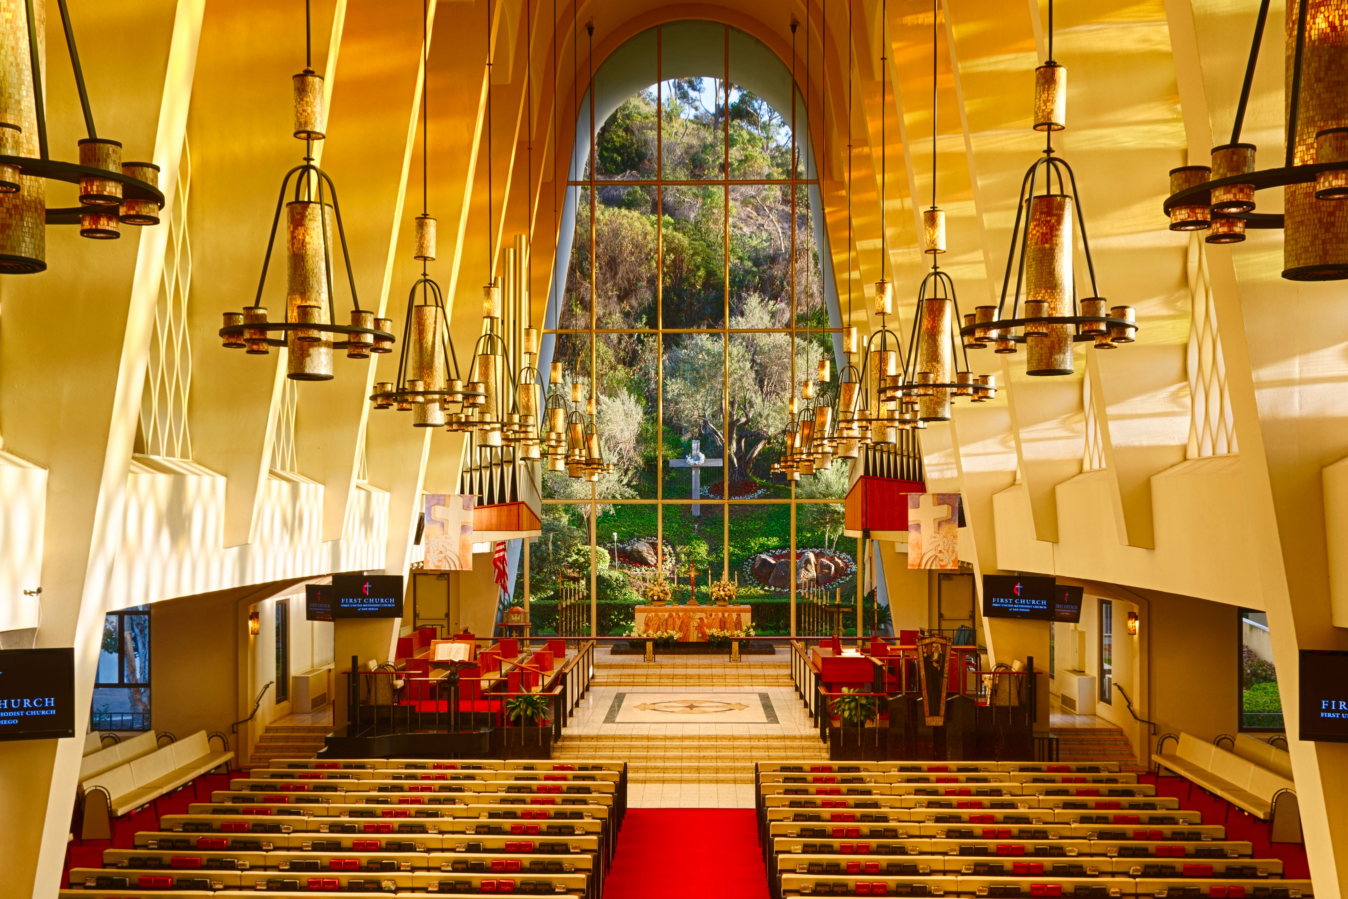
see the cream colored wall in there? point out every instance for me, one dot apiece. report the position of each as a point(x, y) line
point(473, 596)
point(194, 665)
point(908, 588)
point(23, 501)
point(1193, 665)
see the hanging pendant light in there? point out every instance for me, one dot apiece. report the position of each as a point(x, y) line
point(309, 324)
point(428, 382)
point(1042, 242)
point(934, 372)
point(1314, 174)
point(111, 192)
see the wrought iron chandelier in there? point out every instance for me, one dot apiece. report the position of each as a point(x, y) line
point(1220, 198)
point(1041, 253)
point(926, 383)
point(309, 324)
point(111, 192)
point(428, 383)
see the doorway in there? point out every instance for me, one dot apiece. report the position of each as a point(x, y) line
point(1106, 654)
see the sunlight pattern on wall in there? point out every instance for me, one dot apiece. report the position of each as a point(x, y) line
point(1212, 427)
point(168, 377)
point(283, 442)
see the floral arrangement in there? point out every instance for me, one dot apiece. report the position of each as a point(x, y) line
point(662, 637)
point(719, 637)
point(658, 591)
point(723, 591)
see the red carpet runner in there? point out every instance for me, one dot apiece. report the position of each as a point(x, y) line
point(684, 852)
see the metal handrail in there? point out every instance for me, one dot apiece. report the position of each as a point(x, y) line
point(1132, 712)
point(234, 728)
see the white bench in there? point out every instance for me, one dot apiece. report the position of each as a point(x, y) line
point(1279, 761)
point(162, 771)
point(1238, 780)
point(118, 754)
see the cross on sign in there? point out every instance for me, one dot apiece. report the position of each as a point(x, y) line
point(696, 461)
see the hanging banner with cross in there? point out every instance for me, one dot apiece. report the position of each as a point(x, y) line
point(933, 531)
point(447, 537)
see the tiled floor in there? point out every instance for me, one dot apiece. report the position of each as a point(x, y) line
point(656, 795)
point(792, 719)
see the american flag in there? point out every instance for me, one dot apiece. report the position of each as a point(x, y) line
point(499, 564)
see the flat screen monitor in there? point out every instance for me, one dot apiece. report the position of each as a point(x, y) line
point(318, 602)
point(1324, 695)
point(367, 596)
point(37, 694)
point(1067, 603)
point(1007, 596)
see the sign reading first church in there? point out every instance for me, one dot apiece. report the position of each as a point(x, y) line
point(367, 596)
point(37, 694)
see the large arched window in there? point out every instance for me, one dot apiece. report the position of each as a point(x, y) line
point(685, 306)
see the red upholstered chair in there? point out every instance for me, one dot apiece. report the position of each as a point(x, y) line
point(557, 648)
point(529, 679)
point(425, 635)
point(469, 685)
point(513, 681)
point(490, 660)
point(908, 638)
point(508, 647)
point(543, 659)
point(879, 647)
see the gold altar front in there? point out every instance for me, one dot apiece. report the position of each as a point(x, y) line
point(692, 622)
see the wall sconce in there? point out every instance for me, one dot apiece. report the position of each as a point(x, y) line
point(255, 624)
point(1132, 624)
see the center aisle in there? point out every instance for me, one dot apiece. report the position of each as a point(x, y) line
point(687, 852)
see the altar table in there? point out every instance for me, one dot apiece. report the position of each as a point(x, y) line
point(692, 622)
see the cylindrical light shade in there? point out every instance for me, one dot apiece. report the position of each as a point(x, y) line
point(987, 386)
point(307, 288)
point(1331, 145)
point(1123, 333)
point(526, 400)
point(358, 345)
point(883, 364)
point(310, 122)
point(849, 339)
point(933, 231)
point(23, 239)
point(424, 241)
point(256, 337)
point(491, 300)
point(1005, 345)
point(934, 355)
point(986, 315)
point(556, 420)
point(233, 341)
point(382, 391)
point(807, 389)
point(11, 144)
point(1050, 97)
point(555, 377)
point(971, 341)
point(98, 153)
point(884, 298)
point(1229, 160)
point(530, 343)
point(1094, 307)
point(1225, 229)
point(966, 381)
point(1195, 215)
point(426, 362)
point(825, 370)
point(488, 373)
point(823, 420)
point(308, 315)
point(849, 395)
point(1036, 309)
point(140, 212)
point(1315, 232)
point(100, 224)
point(383, 344)
point(1048, 278)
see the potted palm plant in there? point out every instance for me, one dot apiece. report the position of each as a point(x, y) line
point(528, 736)
point(852, 739)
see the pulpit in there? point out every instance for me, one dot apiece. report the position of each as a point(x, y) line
point(850, 669)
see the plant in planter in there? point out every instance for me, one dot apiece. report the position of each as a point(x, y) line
point(528, 707)
point(658, 592)
point(852, 740)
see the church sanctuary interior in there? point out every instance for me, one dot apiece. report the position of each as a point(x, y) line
point(641, 449)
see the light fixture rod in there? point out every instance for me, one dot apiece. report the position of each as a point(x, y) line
point(1249, 71)
point(1295, 100)
point(79, 72)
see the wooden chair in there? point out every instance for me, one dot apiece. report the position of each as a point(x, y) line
point(97, 823)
